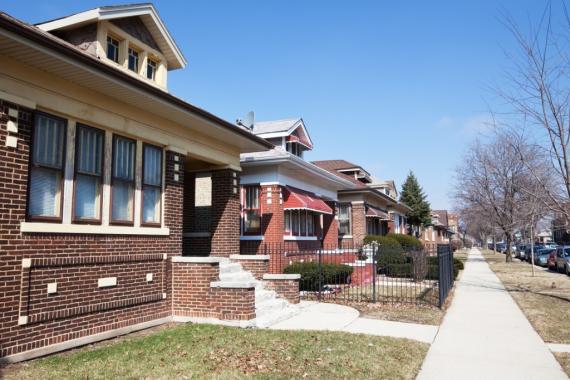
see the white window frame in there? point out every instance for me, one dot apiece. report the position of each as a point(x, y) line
point(349, 205)
point(65, 225)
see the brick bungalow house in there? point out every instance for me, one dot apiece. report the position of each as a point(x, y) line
point(99, 163)
point(438, 232)
point(369, 208)
point(285, 199)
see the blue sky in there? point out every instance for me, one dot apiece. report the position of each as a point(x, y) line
point(392, 86)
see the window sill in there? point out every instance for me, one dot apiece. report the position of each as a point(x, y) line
point(52, 228)
point(251, 237)
point(300, 238)
point(346, 236)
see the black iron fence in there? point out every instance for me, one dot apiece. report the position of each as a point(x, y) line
point(363, 273)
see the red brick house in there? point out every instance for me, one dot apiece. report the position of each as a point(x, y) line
point(98, 173)
point(369, 208)
point(285, 199)
point(438, 232)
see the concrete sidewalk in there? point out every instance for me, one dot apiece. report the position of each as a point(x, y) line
point(484, 334)
point(332, 317)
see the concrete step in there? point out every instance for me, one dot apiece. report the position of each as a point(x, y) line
point(270, 306)
point(268, 319)
point(230, 268)
point(242, 276)
point(262, 295)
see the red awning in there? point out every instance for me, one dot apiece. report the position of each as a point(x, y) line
point(372, 212)
point(296, 199)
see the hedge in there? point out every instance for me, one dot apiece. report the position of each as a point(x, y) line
point(332, 274)
point(406, 241)
point(386, 244)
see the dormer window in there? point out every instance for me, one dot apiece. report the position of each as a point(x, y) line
point(151, 67)
point(133, 60)
point(113, 49)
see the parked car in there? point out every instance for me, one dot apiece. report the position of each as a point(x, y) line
point(541, 256)
point(536, 248)
point(501, 247)
point(563, 259)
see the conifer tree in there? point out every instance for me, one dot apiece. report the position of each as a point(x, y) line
point(413, 196)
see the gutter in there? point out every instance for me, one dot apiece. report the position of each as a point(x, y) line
point(43, 38)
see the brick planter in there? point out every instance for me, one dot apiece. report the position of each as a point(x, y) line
point(285, 285)
point(258, 265)
point(196, 291)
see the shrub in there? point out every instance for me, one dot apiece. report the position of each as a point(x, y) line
point(407, 242)
point(332, 274)
point(433, 262)
point(456, 244)
point(385, 243)
point(398, 270)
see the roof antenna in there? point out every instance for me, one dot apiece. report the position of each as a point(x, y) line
point(247, 121)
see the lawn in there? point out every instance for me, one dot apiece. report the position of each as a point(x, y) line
point(564, 360)
point(544, 299)
point(400, 312)
point(193, 351)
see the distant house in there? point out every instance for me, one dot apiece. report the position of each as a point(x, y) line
point(285, 199)
point(438, 232)
point(369, 208)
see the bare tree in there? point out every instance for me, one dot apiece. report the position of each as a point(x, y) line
point(493, 183)
point(540, 98)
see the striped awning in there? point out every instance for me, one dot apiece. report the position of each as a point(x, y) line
point(372, 212)
point(296, 199)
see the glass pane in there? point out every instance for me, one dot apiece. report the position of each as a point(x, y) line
point(87, 197)
point(252, 221)
point(310, 224)
point(151, 205)
point(152, 165)
point(89, 150)
point(124, 159)
point(288, 221)
point(122, 207)
point(45, 192)
point(48, 141)
point(295, 222)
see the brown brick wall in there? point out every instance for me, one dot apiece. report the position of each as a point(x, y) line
point(79, 308)
point(256, 267)
point(286, 289)
point(225, 223)
point(193, 296)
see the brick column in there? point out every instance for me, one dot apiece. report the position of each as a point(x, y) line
point(358, 223)
point(330, 228)
point(273, 216)
point(225, 222)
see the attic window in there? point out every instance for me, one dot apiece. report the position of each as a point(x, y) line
point(133, 60)
point(151, 66)
point(112, 49)
point(295, 148)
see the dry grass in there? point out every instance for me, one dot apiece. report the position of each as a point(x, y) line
point(216, 352)
point(400, 312)
point(544, 299)
point(564, 360)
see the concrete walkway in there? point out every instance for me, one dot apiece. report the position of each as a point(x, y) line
point(332, 317)
point(484, 334)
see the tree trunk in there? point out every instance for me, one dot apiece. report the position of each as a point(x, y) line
point(509, 255)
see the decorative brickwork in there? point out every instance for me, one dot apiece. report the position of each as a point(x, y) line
point(75, 262)
point(225, 221)
point(194, 297)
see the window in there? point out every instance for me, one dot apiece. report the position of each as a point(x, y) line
point(133, 60)
point(46, 172)
point(300, 223)
point(151, 67)
point(89, 144)
point(151, 184)
point(344, 217)
point(294, 148)
point(112, 49)
point(123, 180)
point(251, 210)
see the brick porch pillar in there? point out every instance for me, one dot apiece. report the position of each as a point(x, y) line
point(358, 223)
point(225, 222)
point(330, 228)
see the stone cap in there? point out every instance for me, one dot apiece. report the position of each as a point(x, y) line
point(232, 284)
point(250, 257)
point(197, 259)
point(269, 276)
